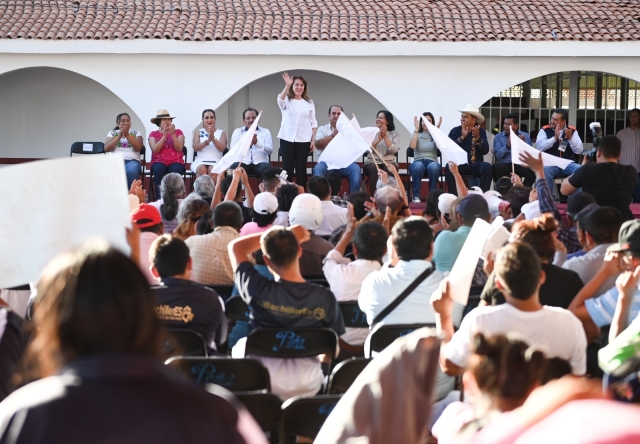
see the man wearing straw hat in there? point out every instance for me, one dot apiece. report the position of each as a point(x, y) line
point(473, 139)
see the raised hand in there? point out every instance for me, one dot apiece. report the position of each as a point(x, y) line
point(453, 168)
point(441, 299)
point(351, 220)
point(439, 122)
point(416, 123)
point(475, 132)
point(465, 132)
point(515, 179)
point(536, 164)
point(287, 79)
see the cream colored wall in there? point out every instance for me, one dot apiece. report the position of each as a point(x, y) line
point(44, 110)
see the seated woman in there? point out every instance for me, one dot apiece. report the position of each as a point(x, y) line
point(425, 157)
point(166, 146)
point(209, 143)
point(122, 139)
point(171, 192)
point(387, 144)
point(97, 337)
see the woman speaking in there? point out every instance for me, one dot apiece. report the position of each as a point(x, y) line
point(298, 128)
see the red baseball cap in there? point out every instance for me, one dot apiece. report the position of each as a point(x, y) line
point(147, 213)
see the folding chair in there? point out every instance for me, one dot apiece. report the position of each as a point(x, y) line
point(305, 416)
point(318, 281)
point(353, 318)
point(86, 148)
point(236, 375)
point(224, 291)
point(383, 335)
point(344, 374)
point(266, 409)
point(237, 309)
point(292, 342)
point(180, 342)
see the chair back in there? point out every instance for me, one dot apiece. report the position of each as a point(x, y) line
point(410, 155)
point(305, 416)
point(224, 291)
point(181, 342)
point(266, 408)
point(291, 342)
point(352, 315)
point(86, 148)
point(344, 374)
point(318, 281)
point(383, 335)
point(236, 309)
point(233, 374)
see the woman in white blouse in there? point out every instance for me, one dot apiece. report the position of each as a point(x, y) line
point(209, 142)
point(122, 139)
point(298, 128)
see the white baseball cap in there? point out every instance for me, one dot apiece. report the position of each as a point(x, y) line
point(494, 199)
point(265, 203)
point(531, 210)
point(444, 202)
point(475, 190)
point(306, 210)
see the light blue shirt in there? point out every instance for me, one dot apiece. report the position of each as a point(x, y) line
point(447, 247)
point(602, 308)
point(500, 148)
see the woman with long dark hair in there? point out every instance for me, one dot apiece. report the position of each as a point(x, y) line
point(425, 157)
point(122, 139)
point(209, 142)
point(386, 144)
point(298, 128)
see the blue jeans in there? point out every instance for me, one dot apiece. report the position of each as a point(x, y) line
point(417, 169)
point(352, 173)
point(132, 167)
point(551, 172)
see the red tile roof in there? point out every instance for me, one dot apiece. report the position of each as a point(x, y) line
point(348, 20)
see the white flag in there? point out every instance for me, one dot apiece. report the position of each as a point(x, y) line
point(237, 151)
point(519, 146)
point(451, 151)
point(347, 147)
point(369, 132)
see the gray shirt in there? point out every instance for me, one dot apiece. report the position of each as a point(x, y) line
point(425, 147)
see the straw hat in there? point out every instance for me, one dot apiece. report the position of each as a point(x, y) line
point(470, 109)
point(161, 114)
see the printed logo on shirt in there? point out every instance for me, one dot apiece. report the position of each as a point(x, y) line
point(317, 313)
point(168, 313)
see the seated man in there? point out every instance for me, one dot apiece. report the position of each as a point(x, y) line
point(149, 221)
point(288, 302)
point(449, 243)
point(609, 182)
point(412, 243)
point(182, 303)
point(211, 263)
point(596, 310)
point(554, 139)
point(473, 140)
point(332, 215)
point(519, 275)
point(306, 210)
point(324, 136)
point(344, 276)
point(256, 161)
point(502, 150)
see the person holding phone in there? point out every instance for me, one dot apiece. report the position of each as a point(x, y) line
point(122, 139)
point(298, 128)
point(166, 145)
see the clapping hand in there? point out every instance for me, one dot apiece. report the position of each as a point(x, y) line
point(416, 123)
point(568, 132)
point(475, 132)
point(465, 132)
point(383, 131)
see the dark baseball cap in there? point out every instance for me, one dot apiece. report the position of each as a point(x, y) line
point(577, 201)
point(473, 206)
point(503, 185)
point(628, 237)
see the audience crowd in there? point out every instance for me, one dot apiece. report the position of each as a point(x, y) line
point(550, 310)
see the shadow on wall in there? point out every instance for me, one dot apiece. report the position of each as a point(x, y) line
point(44, 110)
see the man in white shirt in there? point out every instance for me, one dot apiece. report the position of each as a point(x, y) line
point(324, 136)
point(257, 158)
point(332, 215)
point(556, 331)
point(344, 276)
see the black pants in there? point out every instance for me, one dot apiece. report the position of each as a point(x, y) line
point(295, 154)
point(370, 170)
point(254, 169)
point(481, 170)
point(504, 170)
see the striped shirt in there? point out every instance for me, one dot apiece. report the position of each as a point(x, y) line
point(602, 308)
point(630, 141)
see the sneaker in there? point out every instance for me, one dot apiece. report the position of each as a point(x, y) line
point(416, 200)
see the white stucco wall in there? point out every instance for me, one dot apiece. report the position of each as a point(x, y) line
point(405, 77)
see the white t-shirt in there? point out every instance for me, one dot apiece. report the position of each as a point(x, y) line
point(555, 331)
point(209, 153)
point(123, 145)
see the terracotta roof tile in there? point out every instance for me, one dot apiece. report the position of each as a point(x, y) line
point(355, 20)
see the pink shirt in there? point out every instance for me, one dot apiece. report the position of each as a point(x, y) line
point(167, 153)
point(253, 228)
point(146, 239)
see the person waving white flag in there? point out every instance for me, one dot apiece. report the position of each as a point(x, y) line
point(451, 151)
point(237, 151)
point(348, 146)
point(518, 146)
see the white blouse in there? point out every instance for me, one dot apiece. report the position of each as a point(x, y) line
point(209, 153)
point(298, 119)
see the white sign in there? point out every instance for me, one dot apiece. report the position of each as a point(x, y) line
point(497, 237)
point(451, 151)
point(237, 151)
point(518, 146)
point(348, 146)
point(64, 202)
point(462, 272)
point(87, 147)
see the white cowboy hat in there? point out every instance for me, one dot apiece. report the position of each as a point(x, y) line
point(470, 109)
point(161, 114)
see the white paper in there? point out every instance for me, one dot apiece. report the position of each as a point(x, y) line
point(64, 202)
point(462, 272)
point(451, 151)
point(237, 151)
point(348, 146)
point(518, 146)
point(497, 237)
point(87, 147)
